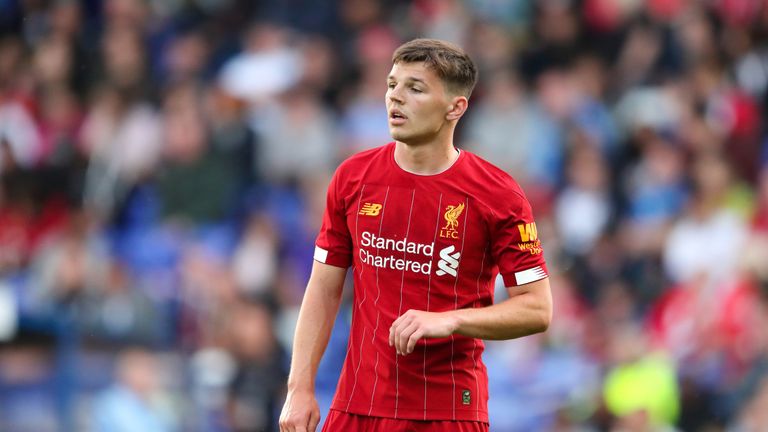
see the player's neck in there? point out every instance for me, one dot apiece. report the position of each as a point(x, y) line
point(425, 159)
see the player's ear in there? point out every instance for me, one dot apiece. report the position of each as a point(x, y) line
point(457, 108)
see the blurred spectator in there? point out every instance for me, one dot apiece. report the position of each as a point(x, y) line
point(363, 122)
point(499, 127)
point(654, 107)
point(269, 65)
point(640, 389)
point(186, 57)
point(583, 209)
point(320, 66)
point(695, 34)
point(231, 136)
point(255, 261)
point(69, 270)
point(732, 114)
point(137, 401)
point(656, 189)
point(543, 134)
point(125, 63)
point(121, 138)
point(554, 38)
point(591, 113)
point(446, 20)
point(301, 138)
point(492, 45)
point(126, 13)
point(196, 182)
point(641, 55)
point(256, 392)
point(19, 135)
point(121, 312)
point(706, 225)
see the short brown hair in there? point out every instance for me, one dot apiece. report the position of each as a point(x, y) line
point(454, 67)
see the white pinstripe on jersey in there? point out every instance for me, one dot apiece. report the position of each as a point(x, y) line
point(474, 340)
point(429, 286)
point(375, 306)
point(400, 308)
point(456, 302)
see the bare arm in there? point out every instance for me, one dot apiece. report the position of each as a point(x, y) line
point(527, 311)
point(316, 317)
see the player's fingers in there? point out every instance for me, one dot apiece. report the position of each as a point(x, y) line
point(396, 341)
point(395, 327)
point(314, 420)
point(294, 422)
point(400, 320)
point(401, 341)
point(286, 426)
point(392, 334)
point(415, 336)
point(406, 317)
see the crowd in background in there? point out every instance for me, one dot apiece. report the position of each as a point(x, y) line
point(163, 167)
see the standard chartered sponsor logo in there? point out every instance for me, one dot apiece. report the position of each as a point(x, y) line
point(371, 240)
point(449, 261)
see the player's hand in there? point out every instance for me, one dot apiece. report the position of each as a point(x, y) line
point(415, 324)
point(300, 412)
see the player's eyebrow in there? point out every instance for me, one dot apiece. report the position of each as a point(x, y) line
point(418, 80)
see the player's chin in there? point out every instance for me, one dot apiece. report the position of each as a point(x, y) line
point(398, 134)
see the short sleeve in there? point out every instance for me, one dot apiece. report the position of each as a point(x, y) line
point(334, 243)
point(515, 243)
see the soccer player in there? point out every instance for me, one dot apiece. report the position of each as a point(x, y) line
point(426, 228)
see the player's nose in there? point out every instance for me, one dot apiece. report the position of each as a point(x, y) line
point(394, 95)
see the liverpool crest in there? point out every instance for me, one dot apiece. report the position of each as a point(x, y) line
point(452, 213)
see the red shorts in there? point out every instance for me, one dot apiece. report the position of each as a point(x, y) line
point(339, 421)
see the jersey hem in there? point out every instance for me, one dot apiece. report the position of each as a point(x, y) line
point(412, 414)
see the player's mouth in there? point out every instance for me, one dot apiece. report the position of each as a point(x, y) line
point(396, 117)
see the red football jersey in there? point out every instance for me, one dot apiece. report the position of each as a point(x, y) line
point(431, 243)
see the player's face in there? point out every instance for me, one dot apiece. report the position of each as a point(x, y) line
point(417, 103)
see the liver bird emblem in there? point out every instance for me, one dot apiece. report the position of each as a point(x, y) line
point(452, 214)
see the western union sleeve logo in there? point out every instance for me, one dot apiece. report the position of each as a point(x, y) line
point(528, 232)
point(370, 209)
point(529, 238)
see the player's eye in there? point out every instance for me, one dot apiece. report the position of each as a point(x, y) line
point(416, 90)
point(391, 85)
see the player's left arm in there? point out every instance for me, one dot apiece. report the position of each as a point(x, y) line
point(528, 310)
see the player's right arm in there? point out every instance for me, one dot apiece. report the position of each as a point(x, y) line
point(316, 317)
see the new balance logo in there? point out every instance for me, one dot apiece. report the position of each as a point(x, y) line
point(449, 261)
point(370, 209)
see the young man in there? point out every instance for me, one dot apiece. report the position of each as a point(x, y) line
point(426, 228)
